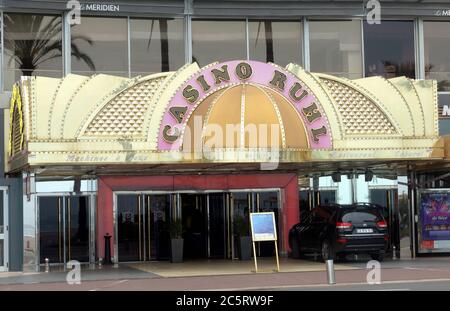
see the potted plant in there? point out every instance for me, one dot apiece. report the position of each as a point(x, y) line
point(245, 240)
point(176, 231)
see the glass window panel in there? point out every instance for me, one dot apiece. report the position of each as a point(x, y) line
point(157, 45)
point(437, 55)
point(279, 42)
point(100, 45)
point(218, 41)
point(335, 48)
point(2, 214)
point(33, 45)
point(1, 253)
point(327, 196)
point(50, 229)
point(389, 49)
point(129, 222)
point(77, 226)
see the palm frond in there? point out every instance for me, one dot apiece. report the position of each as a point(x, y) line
point(28, 53)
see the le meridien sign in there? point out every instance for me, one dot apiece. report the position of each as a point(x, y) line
point(218, 76)
point(444, 112)
point(444, 106)
point(99, 7)
point(442, 12)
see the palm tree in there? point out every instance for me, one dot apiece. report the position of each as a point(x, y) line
point(46, 45)
point(268, 38)
point(165, 66)
point(443, 85)
point(392, 69)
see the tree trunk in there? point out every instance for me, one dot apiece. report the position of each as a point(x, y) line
point(269, 41)
point(164, 45)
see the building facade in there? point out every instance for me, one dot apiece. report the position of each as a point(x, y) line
point(118, 43)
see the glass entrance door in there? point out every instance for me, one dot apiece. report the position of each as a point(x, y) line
point(217, 228)
point(205, 226)
point(195, 225)
point(241, 207)
point(157, 212)
point(388, 199)
point(129, 228)
point(143, 226)
point(3, 230)
point(268, 202)
point(64, 228)
point(244, 203)
point(77, 228)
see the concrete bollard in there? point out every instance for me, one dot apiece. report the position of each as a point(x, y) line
point(47, 265)
point(330, 272)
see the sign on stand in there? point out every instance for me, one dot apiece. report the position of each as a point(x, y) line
point(263, 229)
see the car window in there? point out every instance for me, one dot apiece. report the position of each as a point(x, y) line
point(360, 216)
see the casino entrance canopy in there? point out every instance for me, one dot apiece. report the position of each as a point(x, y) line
point(223, 117)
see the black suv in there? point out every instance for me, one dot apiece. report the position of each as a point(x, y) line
point(337, 230)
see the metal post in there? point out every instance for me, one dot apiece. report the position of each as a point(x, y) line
point(188, 11)
point(330, 272)
point(47, 265)
point(276, 254)
point(394, 255)
point(306, 56)
point(129, 45)
point(254, 256)
point(100, 263)
point(354, 181)
point(247, 39)
point(67, 46)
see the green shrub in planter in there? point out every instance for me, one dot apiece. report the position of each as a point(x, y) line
point(176, 235)
point(245, 240)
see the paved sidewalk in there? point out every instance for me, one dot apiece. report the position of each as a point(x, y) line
point(225, 275)
point(263, 281)
point(167, 269)
point(233, 267)
point(58, 275)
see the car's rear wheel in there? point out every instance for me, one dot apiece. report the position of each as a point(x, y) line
point(378, 256)
point(327, 250)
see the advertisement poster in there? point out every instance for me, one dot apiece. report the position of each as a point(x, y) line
point(435, 222)
point(263, 226)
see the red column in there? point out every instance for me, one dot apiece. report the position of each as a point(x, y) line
point(105, 223)
point(290, 208)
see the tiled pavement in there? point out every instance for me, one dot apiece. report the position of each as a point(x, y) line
point(225, 275)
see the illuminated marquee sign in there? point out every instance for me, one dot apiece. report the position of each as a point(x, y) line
point(212, 78)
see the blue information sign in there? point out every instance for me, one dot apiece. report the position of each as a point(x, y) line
point(263, 226)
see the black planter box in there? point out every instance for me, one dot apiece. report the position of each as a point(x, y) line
point(177, 250)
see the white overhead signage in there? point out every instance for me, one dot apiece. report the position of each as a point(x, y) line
point(97, 7)
point(445, 12)
point(444, 112)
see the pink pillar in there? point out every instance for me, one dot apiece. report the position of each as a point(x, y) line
point(105, 223)
point(291, 209)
